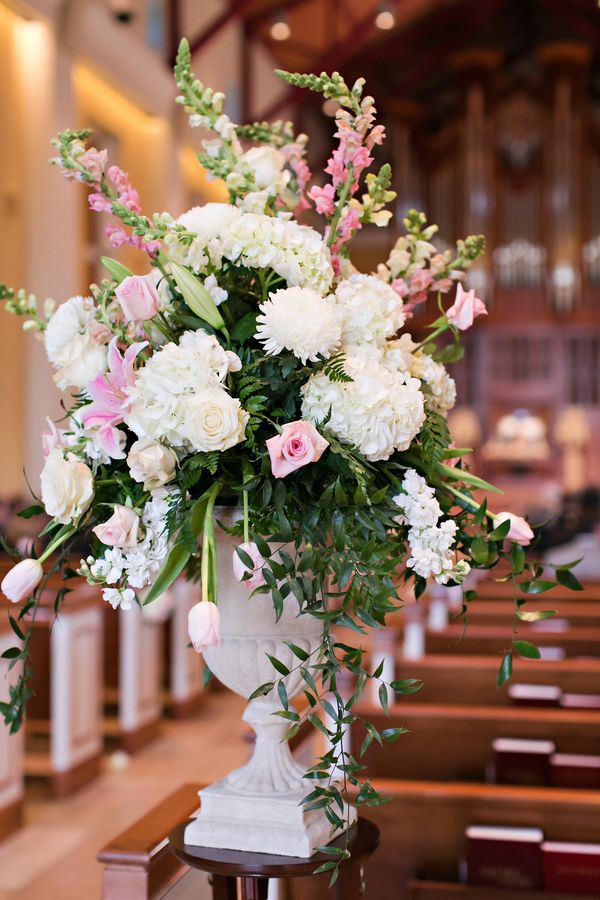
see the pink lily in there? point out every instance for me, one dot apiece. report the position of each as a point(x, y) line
point(110, 397)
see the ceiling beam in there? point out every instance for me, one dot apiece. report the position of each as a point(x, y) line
point(235, 8)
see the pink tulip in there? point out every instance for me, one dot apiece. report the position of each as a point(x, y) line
point(465, 309)
point(520, 531)
point(256, 572)
point(203, 625)
point(138, 297)
point(298, 445)
point(121, 530)
point(22, 580)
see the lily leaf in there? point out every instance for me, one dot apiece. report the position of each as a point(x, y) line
point(118, 271)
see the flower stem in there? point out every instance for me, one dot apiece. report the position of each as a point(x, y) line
point(246, 523)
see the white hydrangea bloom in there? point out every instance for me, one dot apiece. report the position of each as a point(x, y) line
point(209, 223)
point(371, 310)
point(379, 411)
point(296, 252)
point(170, 379)
point(299, 320)
point(441, 385)
point(400, 355)
point(431, 542)
point(218, 294)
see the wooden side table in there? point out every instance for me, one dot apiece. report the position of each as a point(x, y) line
point(254, 869)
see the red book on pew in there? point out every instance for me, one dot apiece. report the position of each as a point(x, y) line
point(504, 857)
point(535, 694)
point(575, 770)
point(580, 701)
point(572, 868)
point(519, 761)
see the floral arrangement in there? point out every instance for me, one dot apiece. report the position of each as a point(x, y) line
point(251, 364)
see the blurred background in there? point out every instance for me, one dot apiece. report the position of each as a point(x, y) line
point(492, 113)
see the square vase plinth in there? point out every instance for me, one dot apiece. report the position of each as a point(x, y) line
point(259, 823)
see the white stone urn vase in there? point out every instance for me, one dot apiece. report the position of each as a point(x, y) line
point(258, 807)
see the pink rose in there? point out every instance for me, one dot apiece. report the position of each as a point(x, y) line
point(22, 580)
point(298, 445)
point(138, 297)
point(256, 572)
point(520, 530)
point(203, 625)
point(121, 530)
point(465, 309)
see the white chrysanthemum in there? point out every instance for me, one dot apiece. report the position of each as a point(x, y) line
point(70, 345)
point(379, 411)
point(299, 320)
point(296, 252)
point(166, 384)
point(371, 310)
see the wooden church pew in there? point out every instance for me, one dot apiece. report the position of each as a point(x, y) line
point(491, 590)
point(454, 742)
point(133, 661)
point(582, 614)
point(443, 890)
point(472, 679)
point(484, 639)
point(11, 746)
point(63, 727)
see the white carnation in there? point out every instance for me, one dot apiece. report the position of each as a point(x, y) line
point(371, 310)
point(70, 345)
point(299, 320)
point(379, 411)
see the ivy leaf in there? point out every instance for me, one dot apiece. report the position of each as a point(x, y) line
point(505, 670)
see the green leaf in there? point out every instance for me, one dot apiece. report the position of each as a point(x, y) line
point(11, 653)
point(297, 651)
point(117, 270)
point(172, 567)
point(383, 698)
point(30, 511)
point(468, 478)
point(407, 686)
point(505, 670)
point(568, 580)
point(479, 550)
point(518, 559)
point(283, 696)
point(15, 628)
point(196, 296)
point(392, 734)
point(277, 664)
point(535, 615)
point(262, 690)
point(536, 587)
point(526, 649)
point(499, 533)
point(374, 733)
point(244, 328)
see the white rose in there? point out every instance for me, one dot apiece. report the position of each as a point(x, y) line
point(214, 420)
point(151, 463)
point(71, 346)
point(67, 487)
point(265, 163)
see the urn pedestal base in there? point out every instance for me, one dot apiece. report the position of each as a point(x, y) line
point(260, 823)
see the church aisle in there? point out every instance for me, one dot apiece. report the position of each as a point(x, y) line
point(54, 855)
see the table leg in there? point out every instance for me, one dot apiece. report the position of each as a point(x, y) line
point(224, 887)
point(254, 888)
point(350, 884)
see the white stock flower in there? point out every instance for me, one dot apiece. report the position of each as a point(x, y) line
point(371, 310)
point(67, 487)
point(379, 411)
point(299, 320)
point(431, 544)
point(170, 379)
point(214, 421)
point(70, 345)
point(119, 598)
